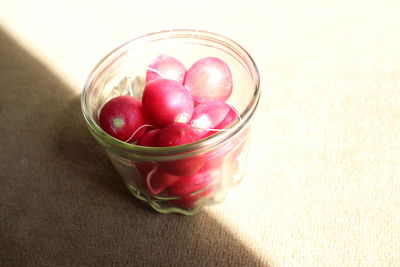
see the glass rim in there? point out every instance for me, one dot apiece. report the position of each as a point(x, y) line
point(210, 141)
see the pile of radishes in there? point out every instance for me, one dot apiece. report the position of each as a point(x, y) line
point(178, 107)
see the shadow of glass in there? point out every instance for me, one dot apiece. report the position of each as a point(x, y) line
point(62, 202)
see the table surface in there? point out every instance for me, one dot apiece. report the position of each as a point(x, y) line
point(322, 186)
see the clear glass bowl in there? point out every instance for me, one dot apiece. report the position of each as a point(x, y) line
point(212, 165)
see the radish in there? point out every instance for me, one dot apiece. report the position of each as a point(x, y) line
point(149, 138)
point(177, 134)
point(209, 79)
point(157, 180)
point(182, 107)
point(230, 117)
point(207, 115)
point(190, 184)
point(166, 67)
point(121, 117)
point(192, 188)
point(167, 101)
point(215, 158)
point(144, 168)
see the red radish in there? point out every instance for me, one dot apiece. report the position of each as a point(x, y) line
point(213, 161)
point(167, 101)
point(230, 149)
point(149, 138)
point(166, 67)
point(144, 168)
point(121, 117)
point(208, 115)
point(190, 184)
point(183, 167)
point(209, 79)
point(229, 118)
point(157, 180)
point(216, 158)
point(177, 134)
point(192, 188)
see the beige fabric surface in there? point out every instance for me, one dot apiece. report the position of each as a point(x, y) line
point(323, 181)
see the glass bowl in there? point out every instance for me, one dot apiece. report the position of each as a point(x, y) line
point(210, 166)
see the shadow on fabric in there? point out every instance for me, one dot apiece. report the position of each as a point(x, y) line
point(61, 201)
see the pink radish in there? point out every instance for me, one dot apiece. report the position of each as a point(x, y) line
point(230, 117)
point(167, 101)
point(207, 115)
point(158, 180)
point(149, 138)
point(121, 117)
point(215, 158)
point(209, 79)
point(166, 67)
point(144, 168)
point(177, 134)
point(192, 188)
